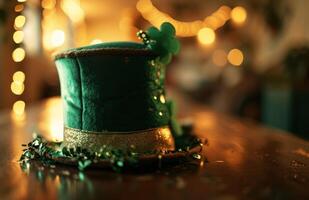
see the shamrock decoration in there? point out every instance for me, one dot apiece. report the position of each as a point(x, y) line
point(161, 41)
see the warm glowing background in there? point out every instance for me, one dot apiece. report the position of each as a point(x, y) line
point(228, 48)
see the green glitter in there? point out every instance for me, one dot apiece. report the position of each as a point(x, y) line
point(81, 176)
point(197, 156)
point(39, 149)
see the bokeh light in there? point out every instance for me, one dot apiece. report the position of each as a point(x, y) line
point(96, 41)
point(20, 21)
point(235, 57)
point(225, 11)
point(48, 4)
point(19, 107)
point(73, 10)
point(19, 8)
point(57, 38)
point(18, 54)
point(183, 28)
point(18, 37)
point(239, 15)
point(212, 22)
point(219, 57)
point(17, 88)
point(19, 77)
point(206, 36)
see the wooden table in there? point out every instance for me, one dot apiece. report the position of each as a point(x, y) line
point(245, 161)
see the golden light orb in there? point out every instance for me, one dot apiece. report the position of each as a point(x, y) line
point(19, 107)
point(225, 11)
point(206, 36)
point(18, 54)
point(212, 22)
point(19, 8)
point(144, 5)
point(235, 57)
point(19, 77)
point(239, 15)
point(18, 37)
point(96, 41)
point(48, 4)
point(57, 38)
point(73, 10)
point(20, 21)
point(17, 88)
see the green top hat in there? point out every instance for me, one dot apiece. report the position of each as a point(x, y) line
point(113, 93)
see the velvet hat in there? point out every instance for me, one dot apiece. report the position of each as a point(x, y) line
point(113, 93)
point(116, 113)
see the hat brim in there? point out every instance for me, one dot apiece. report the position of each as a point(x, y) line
point(155, 159)
point(188, 146)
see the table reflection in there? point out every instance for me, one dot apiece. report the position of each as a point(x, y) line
point(237, 151)
point(51, 120)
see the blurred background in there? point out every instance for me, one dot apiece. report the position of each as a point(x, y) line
point(247, 58)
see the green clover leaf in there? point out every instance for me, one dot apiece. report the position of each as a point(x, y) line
point(161, 41)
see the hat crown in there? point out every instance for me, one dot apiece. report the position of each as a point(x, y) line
point(112, 87)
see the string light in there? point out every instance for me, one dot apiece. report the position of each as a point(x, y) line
point(239, 15)
point(19, 107)
point(20, 21)
point(19, 8)
point(235, 57)
point(18, 37)
point(212, 22)
point(18, 55)
point(184, 29)
point(206, 36)
point(17, 88)
point(48, 4)
point(19, 77)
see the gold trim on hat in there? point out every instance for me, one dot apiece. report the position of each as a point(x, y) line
point(159, 139)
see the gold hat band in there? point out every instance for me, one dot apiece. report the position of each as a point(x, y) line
point(159, 139)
